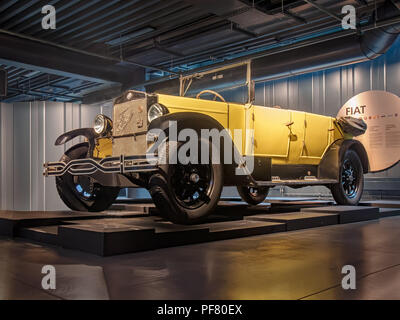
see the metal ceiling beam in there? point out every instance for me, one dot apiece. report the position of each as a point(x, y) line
point(53, 58)
point(41, 94)
point(324, 10)
point(170, 17)
point(277, 6)
point(161, 48)
point(163, 35)
point(93, 27)
point(296, 17)
point(48, 59)
point(245, 31)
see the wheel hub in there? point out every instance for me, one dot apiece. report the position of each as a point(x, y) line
point(194, 177)
point(253, 191)
point(349, 180)
point(192, 184)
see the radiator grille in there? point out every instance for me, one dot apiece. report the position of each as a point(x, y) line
point(130, 127)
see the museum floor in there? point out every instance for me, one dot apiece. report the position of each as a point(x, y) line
point(304, 264)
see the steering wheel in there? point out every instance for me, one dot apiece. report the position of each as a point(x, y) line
point(216, 94)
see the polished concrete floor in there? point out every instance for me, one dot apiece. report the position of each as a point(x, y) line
point(293, 265)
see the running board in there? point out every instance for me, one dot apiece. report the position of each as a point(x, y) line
point(305, 182)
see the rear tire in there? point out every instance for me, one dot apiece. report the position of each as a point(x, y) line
point(81, 193)
point(351, 180)
point(253, 196)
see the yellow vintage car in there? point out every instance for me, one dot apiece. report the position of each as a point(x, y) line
point(275, 147)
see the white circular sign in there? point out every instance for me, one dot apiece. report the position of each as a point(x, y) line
point(381, 112)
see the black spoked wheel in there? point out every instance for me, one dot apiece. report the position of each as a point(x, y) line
point(253, 195)
point(186, 193)
point(351, 180)
point(81, 193)
point(192, 184)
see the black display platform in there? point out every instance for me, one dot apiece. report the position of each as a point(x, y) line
point(298, 220)
point(382, 203)
point(348, 214)
point(12, 221)
point(389, 212)
point(131, 235)
point(117, 232)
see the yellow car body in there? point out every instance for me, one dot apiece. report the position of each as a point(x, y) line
point(288, 137)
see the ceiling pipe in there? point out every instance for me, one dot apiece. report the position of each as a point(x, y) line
point(346, 50)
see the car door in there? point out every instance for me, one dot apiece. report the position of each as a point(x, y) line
point(271, 132)
point(318, 136)
point(296, 131)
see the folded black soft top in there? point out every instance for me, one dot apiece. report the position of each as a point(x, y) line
point(353, 126)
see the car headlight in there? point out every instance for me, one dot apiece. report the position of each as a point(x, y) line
point(155, 111)
point(102, 124)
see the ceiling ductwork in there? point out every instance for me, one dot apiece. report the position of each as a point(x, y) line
point(239, 13)
point(345, 50)
point(319, 54)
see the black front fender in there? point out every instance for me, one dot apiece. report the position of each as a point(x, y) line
point(88, 133)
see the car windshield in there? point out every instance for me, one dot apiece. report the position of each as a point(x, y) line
point(230, 82)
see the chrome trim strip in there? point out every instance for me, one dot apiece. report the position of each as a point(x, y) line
point(121, 164)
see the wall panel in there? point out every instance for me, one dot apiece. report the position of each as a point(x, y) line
point(37, 155)
point(305, 94)
point(22, 156)
point(7, 156)
point(362, 77)
point(332, 92)
point(27, 134)
point(54, 126)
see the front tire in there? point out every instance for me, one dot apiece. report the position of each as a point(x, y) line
point(82, 193)
point(251, 195)
point(186, 193)
point(351, 180)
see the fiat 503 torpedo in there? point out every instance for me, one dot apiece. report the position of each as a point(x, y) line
point(276, 147)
